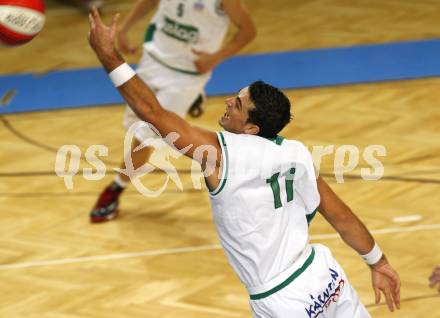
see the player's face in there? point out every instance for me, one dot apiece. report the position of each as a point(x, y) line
point(237, 113)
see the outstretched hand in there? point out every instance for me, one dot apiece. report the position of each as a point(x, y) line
point(386, 280)
point(434, 279)
point(102, 37)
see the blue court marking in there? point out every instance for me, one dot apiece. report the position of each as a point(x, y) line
point(294, 69)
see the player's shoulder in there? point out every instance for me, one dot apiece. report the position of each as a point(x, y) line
point(298, 147)
point(296, 143)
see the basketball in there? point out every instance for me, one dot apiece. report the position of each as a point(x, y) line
point(20, 20)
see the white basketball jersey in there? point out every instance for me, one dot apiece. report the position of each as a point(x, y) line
point(262, 205)
point(179, 26)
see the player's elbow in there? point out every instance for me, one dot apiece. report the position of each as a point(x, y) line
point(338, 216)
point(252, 32)
point(247, 29)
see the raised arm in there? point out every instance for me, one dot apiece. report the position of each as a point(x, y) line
point(144, 103)
point(357, 236)
point(137, 12)
point(246, 32)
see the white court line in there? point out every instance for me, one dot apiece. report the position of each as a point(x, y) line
point(407, 218)
point(190, 249)
point(112, 256)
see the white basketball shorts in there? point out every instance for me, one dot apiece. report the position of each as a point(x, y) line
point(321, 291)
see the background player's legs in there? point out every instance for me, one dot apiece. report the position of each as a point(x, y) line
point(197, 109)
point(106, 207)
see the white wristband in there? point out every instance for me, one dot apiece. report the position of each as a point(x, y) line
point(373, 256)
point(121, 74)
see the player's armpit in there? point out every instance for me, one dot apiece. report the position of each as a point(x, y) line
point(331, 206)
point(343, 220)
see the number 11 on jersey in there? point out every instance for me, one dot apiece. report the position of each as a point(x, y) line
point(275, 186)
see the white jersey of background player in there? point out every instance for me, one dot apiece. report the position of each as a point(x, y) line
point(179, 28)
point(180, 33)
point(183, 43)
point(257, 226)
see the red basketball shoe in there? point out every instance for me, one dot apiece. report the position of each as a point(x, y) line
point(106, 208)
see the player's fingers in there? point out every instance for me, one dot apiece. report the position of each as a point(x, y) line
point(432, 284)
point(397, 284)
point(396, 297)
point(96, 16)
point(197, 52)
point(388, 299)
point(377, 295)
point(115, 23)
point(433, 279)
point(92, 21)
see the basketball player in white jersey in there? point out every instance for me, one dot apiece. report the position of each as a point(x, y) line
point(183, 43)
point(263, 191)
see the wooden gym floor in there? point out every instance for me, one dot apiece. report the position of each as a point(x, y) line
point(161, 257)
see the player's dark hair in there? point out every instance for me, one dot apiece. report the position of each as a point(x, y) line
point(272, 109)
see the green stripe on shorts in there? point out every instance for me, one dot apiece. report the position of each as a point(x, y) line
point(290, 279)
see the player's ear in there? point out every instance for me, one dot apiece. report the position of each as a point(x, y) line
point(251, 129)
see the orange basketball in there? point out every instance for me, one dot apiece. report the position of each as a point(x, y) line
point(20, 20)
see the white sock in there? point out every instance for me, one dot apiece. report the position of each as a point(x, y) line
point(121, 182)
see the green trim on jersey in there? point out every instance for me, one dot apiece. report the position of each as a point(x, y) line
point(158, 60)
point(149, 33)
point(186, 33)
point(219, 8)
point(278, 140)
point(290, 279)
point(311, 215)
point(225, 166)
